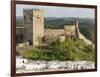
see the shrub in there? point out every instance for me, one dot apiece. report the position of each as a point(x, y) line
point(68, 50)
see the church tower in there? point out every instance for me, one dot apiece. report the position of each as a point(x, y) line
point(33, 26)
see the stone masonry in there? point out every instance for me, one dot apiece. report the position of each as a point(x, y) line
point(33, 26)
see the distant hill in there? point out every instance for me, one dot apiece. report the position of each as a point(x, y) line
point(86, 25)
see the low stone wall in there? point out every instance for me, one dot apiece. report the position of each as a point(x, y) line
point(85, 39)
point(41, 66)
point(23, 44)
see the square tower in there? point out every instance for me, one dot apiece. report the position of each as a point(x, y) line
point(33, 26)
point(72, 29)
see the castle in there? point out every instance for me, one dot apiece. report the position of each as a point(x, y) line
point(34, 31)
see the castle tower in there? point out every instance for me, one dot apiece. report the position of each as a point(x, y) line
point(77, 29)
point(72, 29)
point(33, 26)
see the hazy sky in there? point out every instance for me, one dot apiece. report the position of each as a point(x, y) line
point(53, 11)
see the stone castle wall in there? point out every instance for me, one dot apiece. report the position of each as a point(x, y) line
point(81, 36)
point(19, 35)
point(54, 32)
point(67, 31)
